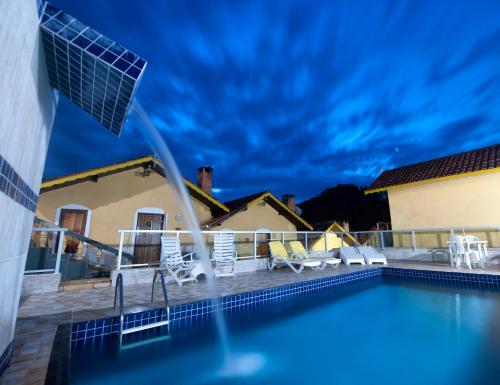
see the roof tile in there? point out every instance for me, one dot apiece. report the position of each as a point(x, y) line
point(484, 158)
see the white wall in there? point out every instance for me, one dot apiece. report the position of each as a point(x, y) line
point(27, 110)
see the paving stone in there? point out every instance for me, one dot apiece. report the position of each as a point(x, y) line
point(40, 314)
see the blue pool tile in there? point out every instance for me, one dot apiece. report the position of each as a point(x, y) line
point(185, 315)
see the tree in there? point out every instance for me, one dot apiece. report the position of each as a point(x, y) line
point(347, 202)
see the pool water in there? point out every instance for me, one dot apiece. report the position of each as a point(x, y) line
point(373, 332)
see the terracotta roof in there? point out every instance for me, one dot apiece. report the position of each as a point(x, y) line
point(471, 162)
point(145, 161)
point(242, 203)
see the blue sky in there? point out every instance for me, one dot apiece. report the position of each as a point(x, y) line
point(295, 96)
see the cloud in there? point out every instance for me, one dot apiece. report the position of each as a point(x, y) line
point(291, 97)
point(484, 48)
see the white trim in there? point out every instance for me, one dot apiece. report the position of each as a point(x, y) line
point(73, 206)
point(150, 210)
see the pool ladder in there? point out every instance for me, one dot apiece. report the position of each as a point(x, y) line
point(119, 294)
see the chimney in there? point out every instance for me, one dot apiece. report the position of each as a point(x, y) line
point(205, 179)
point(289, 201)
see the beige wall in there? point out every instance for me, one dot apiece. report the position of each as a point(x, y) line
point(254, 218)
point(114, 200)
point(467, 201)
point(257, 217)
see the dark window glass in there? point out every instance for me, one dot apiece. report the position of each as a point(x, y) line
point(109, 57)
point(61, 44)
point(63, 18)
point(51, 10)
point(77, 26)
point(68, 33)
point(54, 25)
point(90, 34)
point(128, 82)
point(129, 56)
point(140, 63)
point(75, 51)
point(81, 41)
point(121, 64)
point(104, 41)
point(134, 72)
point(117, 49)
point(95, 49)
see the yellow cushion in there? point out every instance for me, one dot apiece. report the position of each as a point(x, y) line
point(277, 250)
point(297, 248)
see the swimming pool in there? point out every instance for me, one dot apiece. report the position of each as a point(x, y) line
point(383, 330)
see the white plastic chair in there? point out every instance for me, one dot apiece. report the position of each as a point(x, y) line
point(453, 251)
point(460, 251)
point(371, 255)
point(473, 242)
point(174, 261)
point(224, 254)
point(350, 255)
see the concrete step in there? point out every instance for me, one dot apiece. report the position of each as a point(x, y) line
point(81, 284)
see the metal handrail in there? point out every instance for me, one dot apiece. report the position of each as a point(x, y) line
point(99, 245)
point(423, 229)
point(164, 290)
point(119, 290)
point(308, 237)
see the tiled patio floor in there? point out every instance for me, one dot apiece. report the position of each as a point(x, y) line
point(39, 315)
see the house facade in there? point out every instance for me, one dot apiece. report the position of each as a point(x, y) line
point(135, 195)
point(461, 190)
point(261, 212)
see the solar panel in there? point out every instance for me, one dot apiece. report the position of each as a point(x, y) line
point(93, 71)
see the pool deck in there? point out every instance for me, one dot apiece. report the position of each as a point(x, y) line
point(39, 315)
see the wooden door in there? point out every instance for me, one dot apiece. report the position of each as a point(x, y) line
point(76, 221)
point(262, 244)
point(147, 246)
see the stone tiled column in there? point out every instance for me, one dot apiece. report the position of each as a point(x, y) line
point(27, 107)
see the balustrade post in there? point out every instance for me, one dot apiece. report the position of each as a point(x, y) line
point(59, 251)
point(120, 252)
point(254, 245)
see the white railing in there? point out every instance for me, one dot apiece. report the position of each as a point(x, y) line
point(54, 242)
point(253, 241)
point(406, 239)
point(380, 237)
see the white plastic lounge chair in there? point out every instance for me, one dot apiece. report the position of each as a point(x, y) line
point(224, 254)
point(371, 255)
point(298, 251)
point(173, 261)
point(350, 255)
point(280, 257)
